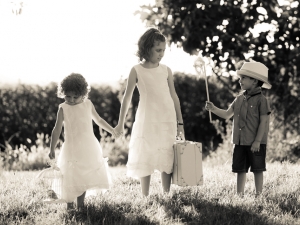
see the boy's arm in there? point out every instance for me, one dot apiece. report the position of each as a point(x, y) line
point(260, 133)
point(225, 114)
point(101, 122)
point(131, 82)
point(56, 132)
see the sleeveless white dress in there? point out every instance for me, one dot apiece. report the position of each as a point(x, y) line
point(80, 160)
point(154, 129)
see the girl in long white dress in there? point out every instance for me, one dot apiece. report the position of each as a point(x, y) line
point(80, 160)
point(158, 118)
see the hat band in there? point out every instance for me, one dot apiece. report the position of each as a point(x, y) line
point(256, 74)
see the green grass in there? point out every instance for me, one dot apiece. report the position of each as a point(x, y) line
point(213, 203)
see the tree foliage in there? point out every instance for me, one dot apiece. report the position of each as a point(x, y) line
point(224, 32)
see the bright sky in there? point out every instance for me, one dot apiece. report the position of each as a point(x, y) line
point(53, 38)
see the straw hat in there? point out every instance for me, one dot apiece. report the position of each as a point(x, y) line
point(257, 71)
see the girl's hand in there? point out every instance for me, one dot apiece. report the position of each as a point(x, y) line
point(116, 134)
point(113, 133)
point(209, 106)
point(119, 130)
point(52, 155)
point(180, 132)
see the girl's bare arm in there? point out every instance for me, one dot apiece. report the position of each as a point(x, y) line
point(180, 127)
point(56, 132)
point(101, 122)
point(131, 82)
point(174, 96)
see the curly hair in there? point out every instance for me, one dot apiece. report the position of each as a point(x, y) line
point(73, 83)
point(146, 42)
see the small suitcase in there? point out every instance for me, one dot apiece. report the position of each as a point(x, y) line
point(187, 167)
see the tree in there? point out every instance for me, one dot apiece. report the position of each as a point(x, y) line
point(279, 50)
point(224, 32)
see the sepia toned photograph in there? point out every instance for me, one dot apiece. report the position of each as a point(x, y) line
point(151, 112)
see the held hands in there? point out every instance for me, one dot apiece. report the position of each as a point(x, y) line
point(118, 131)
point(209, 106)
point(116, 134)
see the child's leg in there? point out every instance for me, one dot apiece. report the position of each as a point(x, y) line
point(145, 184)
point(258, 166)
point(241, 180)
point(166, 181)
point(259, 180)
point(80, 201)
point(240, 165)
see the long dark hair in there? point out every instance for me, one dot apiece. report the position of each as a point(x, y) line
point(146, 42)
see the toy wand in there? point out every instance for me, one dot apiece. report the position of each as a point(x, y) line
point(201, 65)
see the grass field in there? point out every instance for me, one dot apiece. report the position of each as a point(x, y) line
point(213, 203)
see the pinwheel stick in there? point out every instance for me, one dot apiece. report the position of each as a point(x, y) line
point(207, 93)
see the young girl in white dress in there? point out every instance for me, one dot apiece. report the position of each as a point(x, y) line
point(158, 118)
point(80, 160)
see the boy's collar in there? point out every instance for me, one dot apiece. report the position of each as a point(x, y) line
point(253, 92)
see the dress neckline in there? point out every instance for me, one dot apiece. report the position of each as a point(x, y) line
point(76, 104)
point(150, 68)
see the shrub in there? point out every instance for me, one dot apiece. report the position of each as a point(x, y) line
point(23, 158)
point(282, 148)
point(36, 157)
point(222, 155)
point(115, 150)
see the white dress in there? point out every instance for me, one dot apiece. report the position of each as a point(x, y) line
point(154, 129)
point(80, 160)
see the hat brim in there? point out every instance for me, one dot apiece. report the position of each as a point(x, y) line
point(266, 84)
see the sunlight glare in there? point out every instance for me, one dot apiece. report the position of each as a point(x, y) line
point(51, 39)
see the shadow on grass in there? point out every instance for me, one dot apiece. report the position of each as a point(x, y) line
point(13, 215)
point(288, 203)
point(108, 214)
point(190, 210)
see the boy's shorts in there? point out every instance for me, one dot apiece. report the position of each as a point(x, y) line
point(243, 158)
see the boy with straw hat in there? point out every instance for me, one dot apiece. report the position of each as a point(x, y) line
point(250, 111)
